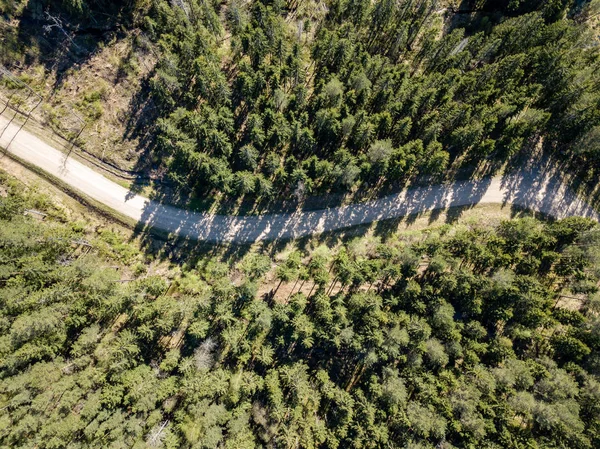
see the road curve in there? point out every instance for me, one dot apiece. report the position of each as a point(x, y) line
point(534, 187)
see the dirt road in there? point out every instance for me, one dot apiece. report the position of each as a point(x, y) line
point(534, 187)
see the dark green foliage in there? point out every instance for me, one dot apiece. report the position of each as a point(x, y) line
point(378, 83)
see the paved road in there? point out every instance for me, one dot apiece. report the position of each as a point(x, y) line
point(534, 187)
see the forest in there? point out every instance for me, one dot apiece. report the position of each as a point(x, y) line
point(455, 336)
point(462, 335)
point(374, 97)
point(285, 99)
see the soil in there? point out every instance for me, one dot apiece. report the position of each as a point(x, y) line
point(99, 95)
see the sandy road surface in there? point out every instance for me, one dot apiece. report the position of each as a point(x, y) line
point(534, 187)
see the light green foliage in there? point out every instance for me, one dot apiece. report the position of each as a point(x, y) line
point(367, 349)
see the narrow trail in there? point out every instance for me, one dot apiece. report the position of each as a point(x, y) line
point(534, 186)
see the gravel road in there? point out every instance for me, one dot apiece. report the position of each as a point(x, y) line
point(535, 187)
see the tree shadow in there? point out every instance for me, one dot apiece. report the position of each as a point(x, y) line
point(538, 182)
point(532, 181)
point(63, 41)
point(245, 230)
point(219, 219)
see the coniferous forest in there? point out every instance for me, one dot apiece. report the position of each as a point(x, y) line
point(458, 336)
point(391, 93)
point(462, 335)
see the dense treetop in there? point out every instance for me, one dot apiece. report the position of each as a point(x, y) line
point(267, 99)
point(316, 97)
point(459, 336)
